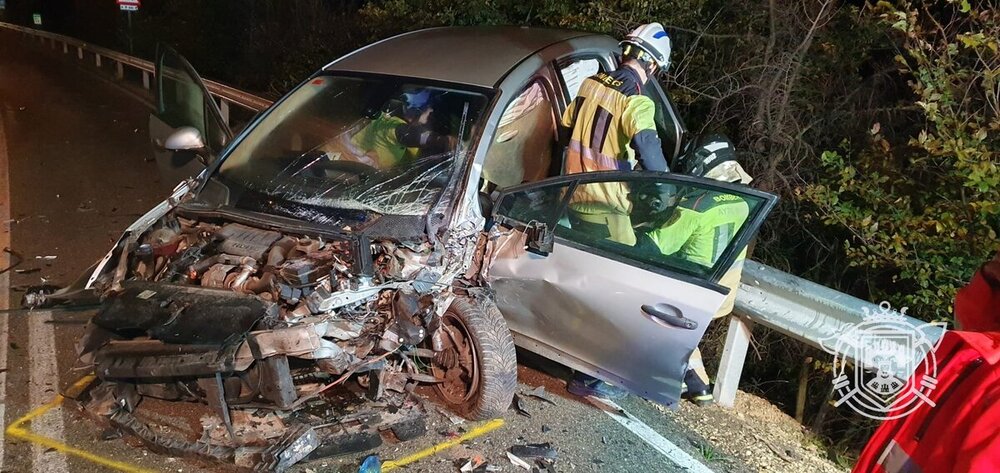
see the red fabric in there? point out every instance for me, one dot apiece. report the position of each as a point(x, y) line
point(977, 306)
point(961, 433)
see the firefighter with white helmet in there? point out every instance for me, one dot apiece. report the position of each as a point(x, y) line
point(612, 128)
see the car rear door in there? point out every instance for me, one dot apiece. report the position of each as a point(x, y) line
point(182, 100)
point(620, 311)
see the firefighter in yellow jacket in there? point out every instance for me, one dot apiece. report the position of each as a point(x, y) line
point(613, 129)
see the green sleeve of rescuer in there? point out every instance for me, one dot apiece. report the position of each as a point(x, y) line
point(672, 236)
point(639, 123)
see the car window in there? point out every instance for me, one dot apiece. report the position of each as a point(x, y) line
point(574, 72)
point(685, 227)
point(668, 125)
point(379, 144)
point(522, 148)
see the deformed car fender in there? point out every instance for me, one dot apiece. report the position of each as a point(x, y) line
point(142, 224)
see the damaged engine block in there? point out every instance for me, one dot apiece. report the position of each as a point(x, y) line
point(236, 316)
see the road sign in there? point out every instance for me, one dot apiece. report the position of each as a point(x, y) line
point(3, 4)
point(36, 18)
point(128, 5)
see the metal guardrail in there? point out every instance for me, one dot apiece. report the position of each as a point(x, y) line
point(801, 309)
point(227, 95)
point(810, 313)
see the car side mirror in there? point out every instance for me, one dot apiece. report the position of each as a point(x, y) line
point(188, 139)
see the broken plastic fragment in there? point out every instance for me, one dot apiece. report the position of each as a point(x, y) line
point(540, 393)
point(534, 451)
point(474, 463)
point(372, 464)
point(519, 407)
point(518, 462)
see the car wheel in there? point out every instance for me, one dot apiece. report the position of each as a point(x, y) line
point(478, 362)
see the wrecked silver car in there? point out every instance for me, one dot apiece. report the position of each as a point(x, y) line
point(397, 220)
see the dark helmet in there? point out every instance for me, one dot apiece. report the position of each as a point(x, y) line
point(713, 156)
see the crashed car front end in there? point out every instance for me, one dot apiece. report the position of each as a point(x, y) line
point(200, 308)
point(298, 291)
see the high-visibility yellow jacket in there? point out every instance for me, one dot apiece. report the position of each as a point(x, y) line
point(702, 227)
point(610, 120)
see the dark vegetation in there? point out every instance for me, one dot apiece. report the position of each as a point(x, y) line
point(878, 124)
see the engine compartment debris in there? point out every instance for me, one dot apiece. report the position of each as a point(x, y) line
point(292, 344)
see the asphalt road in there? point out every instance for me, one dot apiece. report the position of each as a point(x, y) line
point(75, 171)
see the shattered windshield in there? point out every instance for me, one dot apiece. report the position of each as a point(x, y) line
point(364, 143)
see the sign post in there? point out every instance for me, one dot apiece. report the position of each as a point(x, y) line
point(129, 6)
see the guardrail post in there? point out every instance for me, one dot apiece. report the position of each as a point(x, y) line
point(52, 45)
point(224, 108)
point(97, 60)
point(145, 79)
point(119, 70)
point(65, 48)
point(731, 365)
point(79, 52)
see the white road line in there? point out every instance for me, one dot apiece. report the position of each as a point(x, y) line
point(4, 280)
point(44, 375)
point(653, 438)
point(42, 387)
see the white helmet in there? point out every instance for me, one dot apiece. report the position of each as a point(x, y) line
point(650, 39)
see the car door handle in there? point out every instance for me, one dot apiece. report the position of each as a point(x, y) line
point(668, 314)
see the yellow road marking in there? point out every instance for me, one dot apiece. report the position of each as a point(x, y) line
point(17, 430)
point(476, 432)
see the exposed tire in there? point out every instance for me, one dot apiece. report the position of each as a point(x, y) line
point(496, 381)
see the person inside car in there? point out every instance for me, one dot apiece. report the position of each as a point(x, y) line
point(393, 138)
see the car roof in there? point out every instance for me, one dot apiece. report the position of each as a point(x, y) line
point(479, 56)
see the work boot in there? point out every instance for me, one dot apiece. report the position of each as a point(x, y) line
point(696, 390)
point(583, 385)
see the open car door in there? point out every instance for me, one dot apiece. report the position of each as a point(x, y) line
point(578, 267)
point(182, 100)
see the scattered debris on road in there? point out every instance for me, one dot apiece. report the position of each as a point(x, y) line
point(518, 462)
point(535, 451)
point(15, 257)
point(540, 393)
point(518, 406)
